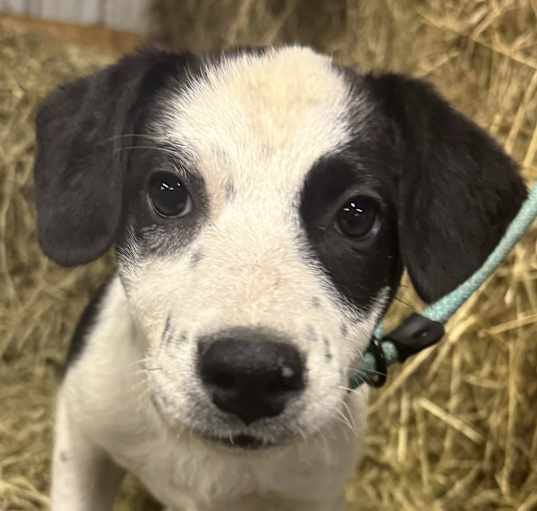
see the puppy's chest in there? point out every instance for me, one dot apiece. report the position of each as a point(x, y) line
point(181, 474)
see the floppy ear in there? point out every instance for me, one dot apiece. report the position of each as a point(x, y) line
point(79, 169)
point(457, 189)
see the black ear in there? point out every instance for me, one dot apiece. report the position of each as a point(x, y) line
point(458, 190)
point(82, 129)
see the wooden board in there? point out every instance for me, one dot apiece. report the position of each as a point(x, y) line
point(129, 15)
point(91, 36)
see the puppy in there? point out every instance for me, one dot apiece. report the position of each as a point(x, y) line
point(263, 205)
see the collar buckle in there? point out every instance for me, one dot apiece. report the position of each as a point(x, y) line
point(414, 334)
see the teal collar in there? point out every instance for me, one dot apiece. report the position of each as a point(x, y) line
point(420, 331)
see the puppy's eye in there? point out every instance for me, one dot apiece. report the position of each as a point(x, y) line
point(358, 217)
point(169, 195)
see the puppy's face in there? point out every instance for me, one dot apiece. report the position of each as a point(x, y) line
point(260, 215)
point(263, 204)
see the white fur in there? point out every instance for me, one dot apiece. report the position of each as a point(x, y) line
point(139, 399)
point(105, 404)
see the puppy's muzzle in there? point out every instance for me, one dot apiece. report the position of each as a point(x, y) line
point(249, 374)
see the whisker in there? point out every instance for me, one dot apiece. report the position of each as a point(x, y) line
point(349, 389)
point(155, 148)
point(299, 431)
point(343, 419)
point(365, 372)
point(141, 362)
point(129, 135)
point(350, 417)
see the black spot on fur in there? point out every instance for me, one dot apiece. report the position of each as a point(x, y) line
point(316, 302)
point(358, 268)
point(167, 333)
point(311, 334)
point(197, 256)
point(230, 190)
point(176, 339)
point(327, 353)
point(343, 329)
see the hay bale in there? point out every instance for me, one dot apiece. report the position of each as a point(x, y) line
point(456, 428)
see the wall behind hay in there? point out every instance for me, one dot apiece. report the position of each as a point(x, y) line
point(129, 15)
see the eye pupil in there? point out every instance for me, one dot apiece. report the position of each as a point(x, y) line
point(358, 216)
point(168, 195)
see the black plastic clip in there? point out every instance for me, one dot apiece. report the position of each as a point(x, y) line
point(415, 334)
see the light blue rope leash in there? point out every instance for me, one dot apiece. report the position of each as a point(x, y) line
point(385, 351)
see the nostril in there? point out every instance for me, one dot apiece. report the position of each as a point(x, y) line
point(223, 380)
point(274, 387)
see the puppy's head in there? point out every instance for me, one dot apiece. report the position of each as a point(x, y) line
point(263, 205)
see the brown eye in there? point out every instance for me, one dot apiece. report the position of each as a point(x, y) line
point(169, 195)
point(358, 217)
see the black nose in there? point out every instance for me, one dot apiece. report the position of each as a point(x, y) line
point(251, 378)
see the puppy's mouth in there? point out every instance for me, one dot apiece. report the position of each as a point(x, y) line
point(233, 441)
point(241, 441)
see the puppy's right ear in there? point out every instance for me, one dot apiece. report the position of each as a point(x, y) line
point(458, 190)
point(81, 130)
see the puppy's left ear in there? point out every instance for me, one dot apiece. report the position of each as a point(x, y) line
point(84, 131)
point(457, 189)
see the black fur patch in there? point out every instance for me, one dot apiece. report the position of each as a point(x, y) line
point(167, 334)
point(197, 256)
point(327, 352)
point(457, 190)
point(359, 269)
point(311, 333)
point(155, 234)
point(85, 323)
point(446, 189)
point(87, 134)
point(230, 190)
point(316, 302)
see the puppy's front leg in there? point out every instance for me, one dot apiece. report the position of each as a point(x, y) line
point(83, 476)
